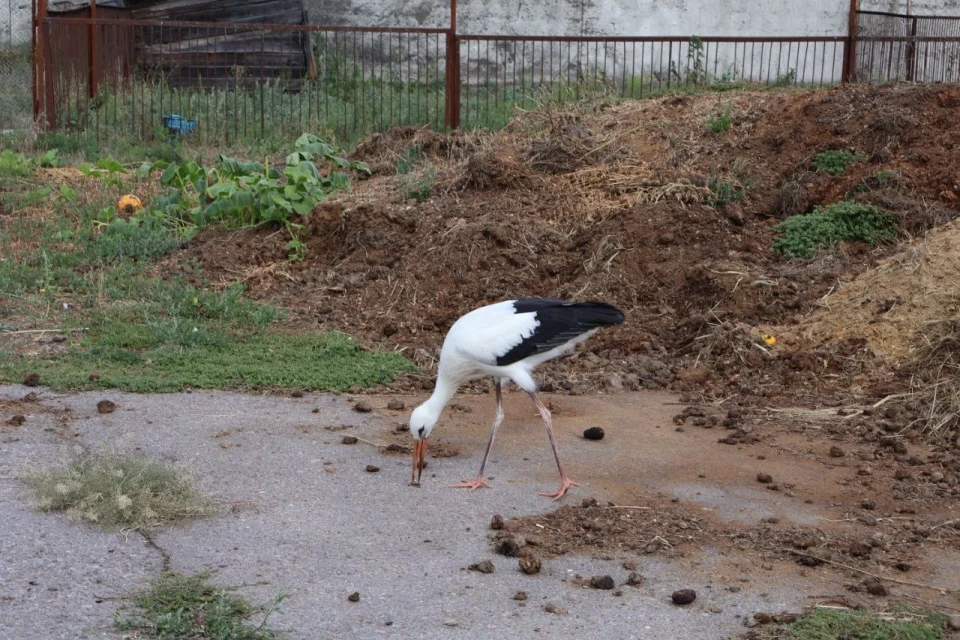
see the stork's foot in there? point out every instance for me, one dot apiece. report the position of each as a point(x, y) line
point(565, 483)
point(471, 484)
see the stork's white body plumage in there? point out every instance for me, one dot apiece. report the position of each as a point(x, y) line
point(507, 340)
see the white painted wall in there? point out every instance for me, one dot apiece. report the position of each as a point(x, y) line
point(616, 17)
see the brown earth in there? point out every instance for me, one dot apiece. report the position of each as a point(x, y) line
point(613, 202)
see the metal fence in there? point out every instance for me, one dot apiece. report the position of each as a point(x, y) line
point(895, 47)
point(16, 109)
point(242, 81)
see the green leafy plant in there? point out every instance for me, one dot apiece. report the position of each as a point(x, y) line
point(416, 174)
point(244, 194)
point(696, 68)
point(897, 623)
point(14, 164)
point(803, 235)
point(50, 158)
point(107, 170)
point(836, 161)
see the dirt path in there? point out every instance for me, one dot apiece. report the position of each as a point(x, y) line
point(302, 514)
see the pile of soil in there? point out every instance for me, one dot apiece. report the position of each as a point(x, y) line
point(640, 205)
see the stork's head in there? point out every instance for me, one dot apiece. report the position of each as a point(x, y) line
point(422, 421)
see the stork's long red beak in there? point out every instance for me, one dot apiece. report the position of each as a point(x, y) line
point(419, 460)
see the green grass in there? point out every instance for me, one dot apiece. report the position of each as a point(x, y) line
point(836, 161)
point(181, 606)
point(898, 624)
point(115, 491)
point(203, 359)
point(720, 121)
point(130, 329)
point(802, 236)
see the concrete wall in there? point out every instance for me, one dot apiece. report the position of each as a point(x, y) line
point(615, 17)
point(14, 22)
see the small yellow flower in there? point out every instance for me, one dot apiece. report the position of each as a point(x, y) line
point(770, 340)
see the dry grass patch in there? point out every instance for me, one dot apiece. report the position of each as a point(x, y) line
point(117, 491)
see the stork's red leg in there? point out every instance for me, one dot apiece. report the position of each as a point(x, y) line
point(565, 482)
point(480, 482)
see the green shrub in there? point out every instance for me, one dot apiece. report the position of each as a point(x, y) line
point(724, 191)
point(802, 236)
point(836, 161)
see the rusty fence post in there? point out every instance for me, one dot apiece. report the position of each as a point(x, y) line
point(912, 52)
point(452, 82)
point(850, 46)
point(92, 46)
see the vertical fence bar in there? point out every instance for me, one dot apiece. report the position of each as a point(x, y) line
point(912, 51)
point(451, 119)
point(92, 46)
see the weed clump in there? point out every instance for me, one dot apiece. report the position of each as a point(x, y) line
point(836, 161)
point(803, 235)
point(116, 491)
point(181, 606)
point(897, 624)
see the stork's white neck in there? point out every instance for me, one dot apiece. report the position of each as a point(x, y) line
point(442, 393)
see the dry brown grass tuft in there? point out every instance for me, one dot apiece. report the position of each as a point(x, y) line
point(116, 491)
point(937, 378)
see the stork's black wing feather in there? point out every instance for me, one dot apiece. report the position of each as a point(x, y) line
point(559, 322)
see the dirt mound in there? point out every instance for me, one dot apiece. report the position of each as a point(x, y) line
point(890, 304)
point(643, 205)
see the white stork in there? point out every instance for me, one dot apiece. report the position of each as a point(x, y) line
point(506, 340)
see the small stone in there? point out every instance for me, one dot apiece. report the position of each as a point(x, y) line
point(16, 420)
point(785, 618)
point(396, 405)
point(32, 379)
point(354, 597)
point(953, 622)
point(496, 522)
point(869, 505)
point(531, 565)
point(451, 623)
point(865, 470)
point(362, 407)
point(296, 394)
point(520, 595)
point(372, 468)
point(315, 410)
point(350, 440)
point(634, 579)
point(903, 566)
point(508, 547)
point(630, 565)
point(762, 617)
point(683, 596)
point(593, 433)
point(30, 397)
point(618, 593)
point(875, 587)
point(550, 607)
point(586, 503)
point(764, 478)
point(902, 474)
point(602, 582)
point(484, 566)
point(106, 406)
point(836, 452)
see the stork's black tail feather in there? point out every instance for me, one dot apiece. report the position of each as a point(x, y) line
point(598, 313)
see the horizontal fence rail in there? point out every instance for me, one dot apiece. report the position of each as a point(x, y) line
point(244, 81)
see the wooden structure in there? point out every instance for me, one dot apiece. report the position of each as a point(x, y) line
point(233, 55)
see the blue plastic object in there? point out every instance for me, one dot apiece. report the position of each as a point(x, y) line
point(178, 125)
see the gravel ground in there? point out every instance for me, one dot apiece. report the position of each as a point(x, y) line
point(301, 514)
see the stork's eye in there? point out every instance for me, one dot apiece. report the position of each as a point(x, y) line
point(421, 430)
